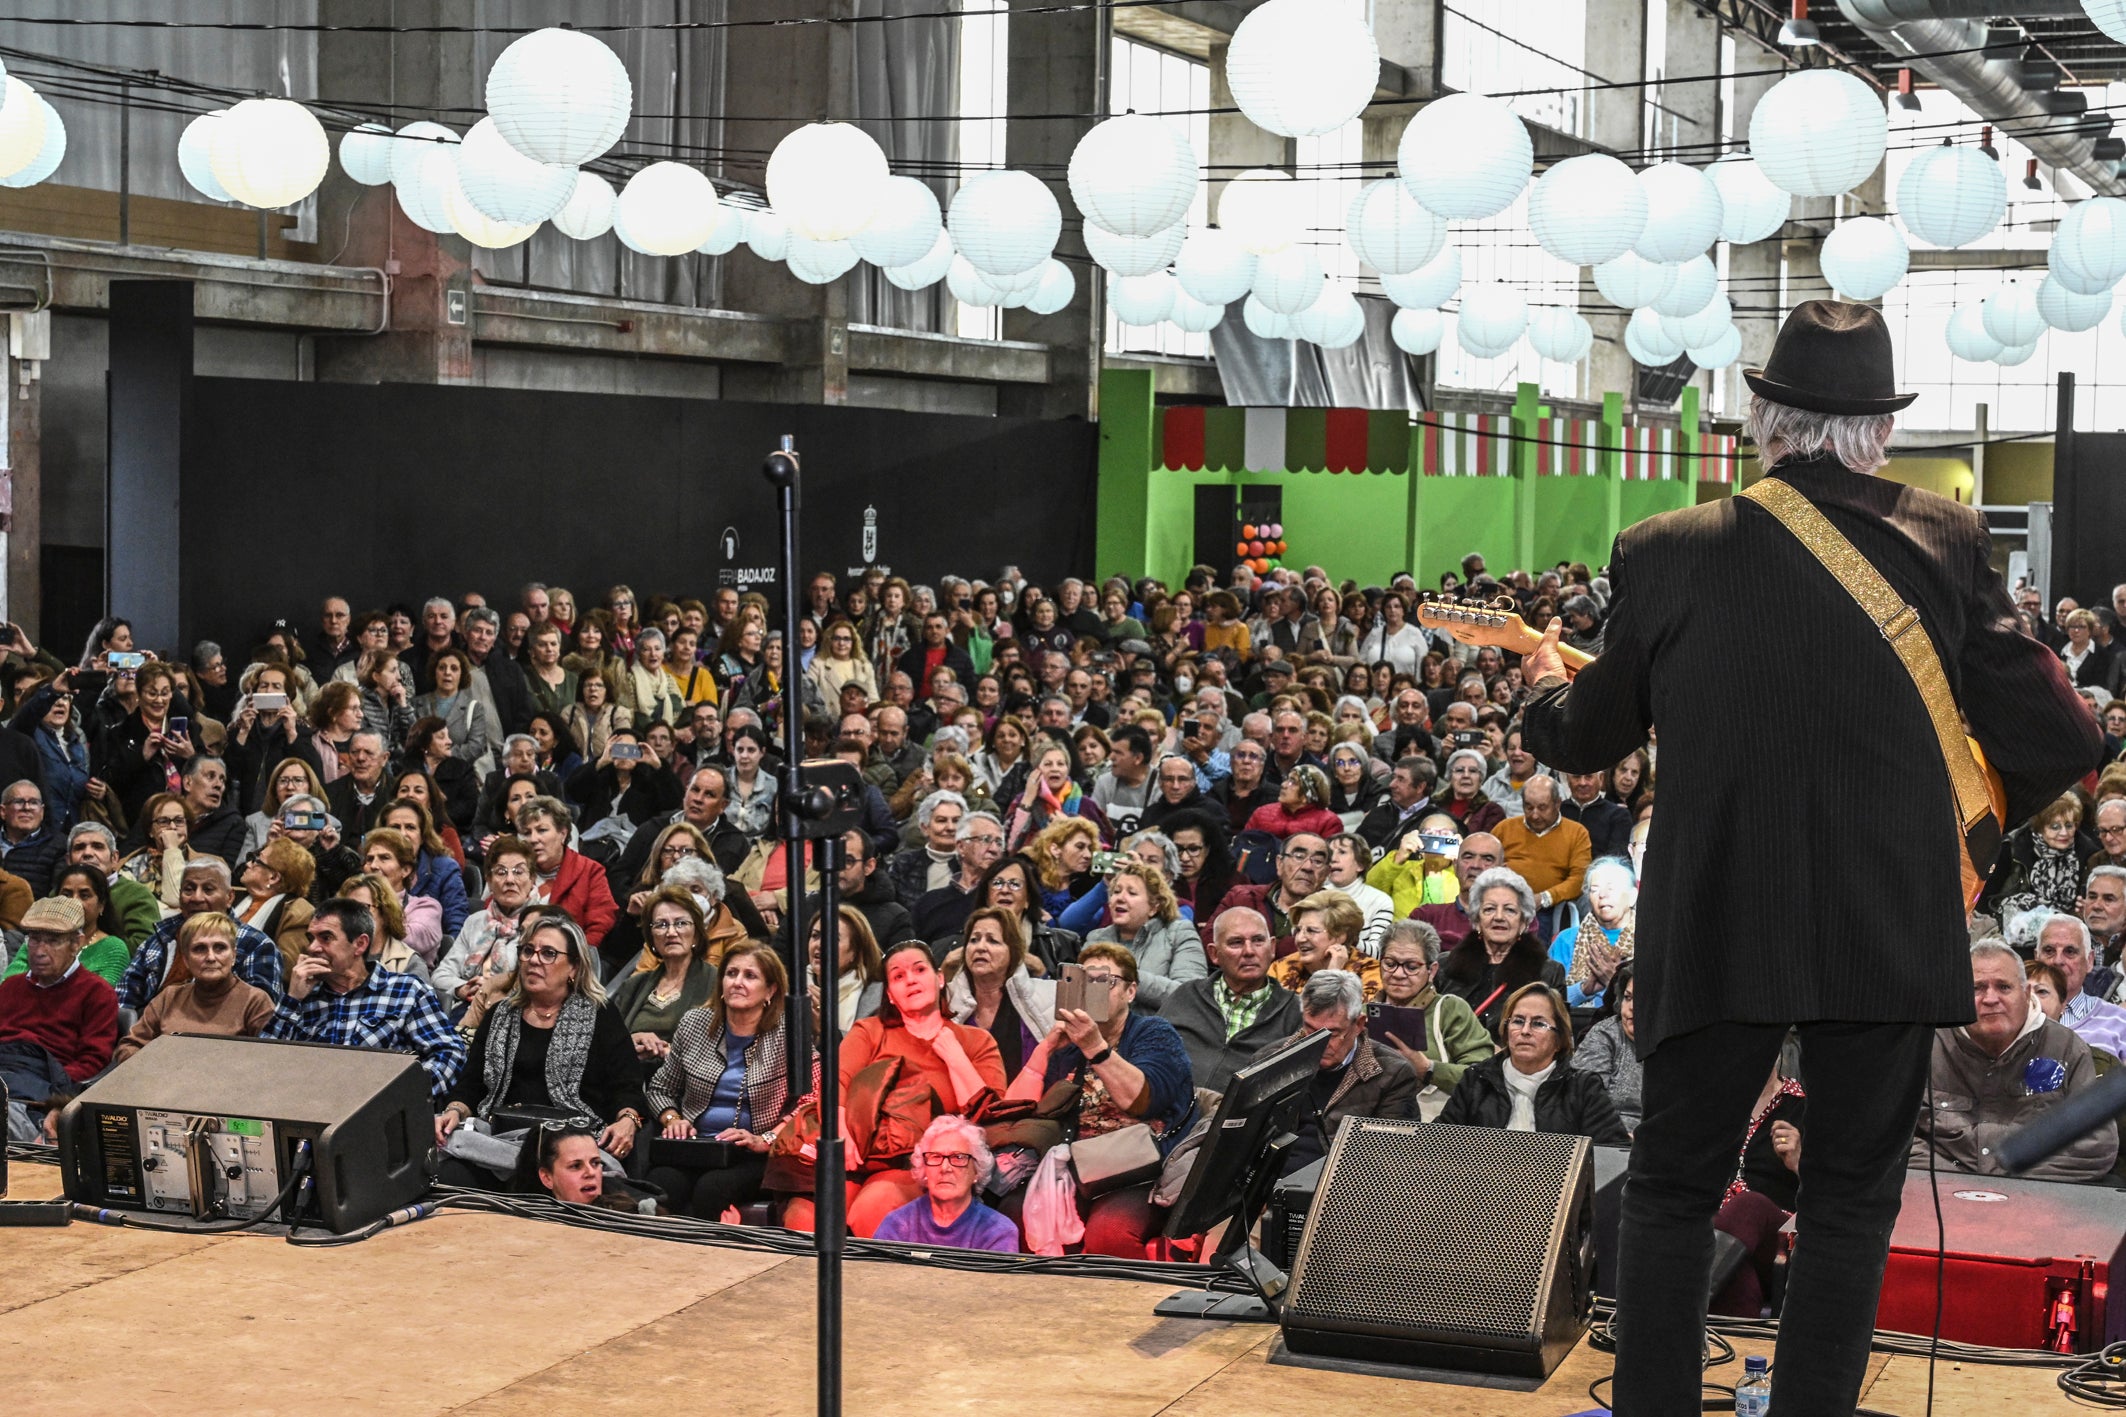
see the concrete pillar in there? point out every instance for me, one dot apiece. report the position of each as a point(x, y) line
point(1408, 35)
point(428, 338)
point(25, 438)
point(150, 394)
point(801, 72)
point(1236, 144)
point(1058, 64)
point(1616, 51)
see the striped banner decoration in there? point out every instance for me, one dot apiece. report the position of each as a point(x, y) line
point(1464, 444)
point(1721, 453)
point(1650, 454)
point(1565, 447)
point(1194, 438)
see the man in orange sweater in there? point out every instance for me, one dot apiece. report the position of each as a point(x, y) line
point(1550, 851)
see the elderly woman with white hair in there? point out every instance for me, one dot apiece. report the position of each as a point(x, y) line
point(1501, 954)
point(1591, 951)
point(646, 691)
point(1462, 794)
point(951, 1162)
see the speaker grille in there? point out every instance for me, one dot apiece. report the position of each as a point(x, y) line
point(1434, 1228)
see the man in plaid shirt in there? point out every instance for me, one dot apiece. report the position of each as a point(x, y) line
point(360, 1006)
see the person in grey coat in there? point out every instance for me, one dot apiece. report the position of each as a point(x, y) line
point(1229, 1016)
point(1146, 921)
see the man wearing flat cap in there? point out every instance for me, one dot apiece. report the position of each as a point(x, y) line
point(1805, 867)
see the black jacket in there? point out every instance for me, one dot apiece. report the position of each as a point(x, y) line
point(356, 818)
point(727, 844)
point(1570, 1102)
point(220, 833)
point(911, 664)
point(513, 700)
point(1608, 824)
point(1804, 862)
point(1388, 824)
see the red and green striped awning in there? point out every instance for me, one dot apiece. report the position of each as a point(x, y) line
point(1195, 438)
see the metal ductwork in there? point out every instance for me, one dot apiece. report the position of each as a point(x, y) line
point(1968, 61)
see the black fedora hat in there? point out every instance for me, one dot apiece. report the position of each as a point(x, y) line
point(1831, 357)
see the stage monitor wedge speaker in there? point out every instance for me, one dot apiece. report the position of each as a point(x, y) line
point(210, 1128)
point(1462, 1248)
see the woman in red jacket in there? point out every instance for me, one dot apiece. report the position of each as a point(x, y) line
point(1302, 805)
point(567, 879)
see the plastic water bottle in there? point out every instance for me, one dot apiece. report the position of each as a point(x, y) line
point(1753, 1398)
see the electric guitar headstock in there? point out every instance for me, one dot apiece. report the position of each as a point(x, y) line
point(1491, 622)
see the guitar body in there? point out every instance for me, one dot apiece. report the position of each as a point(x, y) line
point(1500, 625)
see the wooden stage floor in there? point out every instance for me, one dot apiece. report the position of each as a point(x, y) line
point(490, 1315)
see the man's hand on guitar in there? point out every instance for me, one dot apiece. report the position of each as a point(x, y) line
point(1544, 661)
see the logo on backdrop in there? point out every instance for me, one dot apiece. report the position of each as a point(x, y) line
point(729, 542)
point(870, 535)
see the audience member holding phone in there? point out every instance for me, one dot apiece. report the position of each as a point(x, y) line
point(1437, 1034)
point(147, 752)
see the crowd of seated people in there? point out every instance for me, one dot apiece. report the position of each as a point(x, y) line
point(537, 847)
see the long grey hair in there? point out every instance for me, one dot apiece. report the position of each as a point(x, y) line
point(1781, 432)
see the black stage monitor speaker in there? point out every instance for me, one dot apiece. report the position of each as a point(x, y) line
point(1464, 1248)
point(214, 1128)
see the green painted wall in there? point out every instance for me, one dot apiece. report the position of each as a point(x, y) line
point(1573, 520)
point(1458, 515)
point(1636, 501)
point(1124, 515)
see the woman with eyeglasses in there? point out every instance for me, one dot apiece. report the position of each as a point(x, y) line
point(555, 1043)
point(653, 999)
point(841, 661)
point(1532, 1085)
point(482, 963)
point(1129, 1069)
point(725, 1078)
point(160, 864)
point(1450, 1040)
point(957, 1061)
point(680, 857)
point(951, 1163)
point(1014, 886)
point(1353, 789)
point(1145, 919)
point(623, 621)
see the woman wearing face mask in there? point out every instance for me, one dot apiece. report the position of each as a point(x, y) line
point(725, 1078)
point(959, 1062)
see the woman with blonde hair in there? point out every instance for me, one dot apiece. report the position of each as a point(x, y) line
point(1145, 919)
point(1062, 854)
point(160, 864)
point(673, 977)
point(841, 660)
point(276, 885)
point(388, 949)
point(291, 777)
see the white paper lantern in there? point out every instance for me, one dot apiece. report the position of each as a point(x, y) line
point(48, 157)
point(365, 154)
point(668, 209)
point(1683, 213)
point(969, 286)
point(1212, 267)
point(904, 224)
point(2011, 316)
point(1491, 318)
point(1562, 335)
point(1299, 67)
point(1263, 322)
point(1722, 352)
point(1751, 207)
point(820, 262)
point(504, 184)
point(767, 235)
point(926, 271)
point(195, 157)
point(559, 96)
point(1193, 316)
point(1465, 156)
point(1327, 317)
point(1629, 282)
point(1952, 196)
point(2089, 248)
point(477, 227)
point(22, 126)
point(413, 143)
point(1967, 337)
point(1701, 329)
point(1587, 209)
point(588, 213)
point(1142, 300)
point(827, 180)
point(1133, 255)
point(267, 152)
point(2009, 357)
point(1417, 331)
point(1263, 210)
point(1133, 175)
point(1004, 222)
point(1058, 287)
point(1430, 285)
point(1389, 231)
point(2108, 16)
point(1347, 328)
point(2062, 309)
point(1648, 342)
point(430, 188)
point(1818, 132)
point(1864, 257)
point(1290, 280)
point(726, 235)
point(1697, 281)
